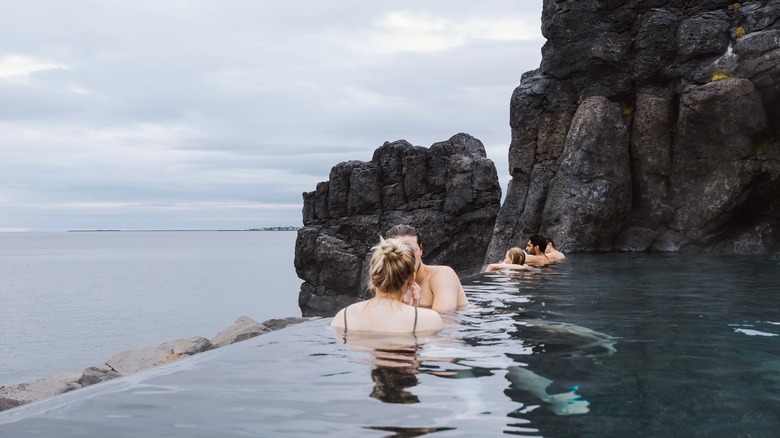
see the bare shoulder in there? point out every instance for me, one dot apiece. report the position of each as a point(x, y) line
point(429, 320)
point(443, 271)
point(338, 320)
point(445, 276)
point(556, 256)
point(536, 260)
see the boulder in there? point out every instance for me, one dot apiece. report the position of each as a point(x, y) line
point(449, 192)
point(128, 362)
point(43, 388)
point(280, 323)
point(93, 375)
point(7, 403)
point(244, 328)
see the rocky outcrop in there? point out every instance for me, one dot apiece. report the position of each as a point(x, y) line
point(449, 192)
point(650, 125)
point(244, 328)
point(281, 323)
point(129, 362)
point(93, 375)
point(6, 403)
point(22, 393)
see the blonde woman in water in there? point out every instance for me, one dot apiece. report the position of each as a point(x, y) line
point(392, 274)
point(514, 259)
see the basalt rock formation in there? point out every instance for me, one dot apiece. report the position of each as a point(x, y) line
point(650, 125)
point(449, 192)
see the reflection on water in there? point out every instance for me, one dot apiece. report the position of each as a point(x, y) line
point(395, 364)
point(600, 345)
point(390, 385)
point(397, 359)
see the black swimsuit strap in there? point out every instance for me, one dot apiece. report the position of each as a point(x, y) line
point(345, 320)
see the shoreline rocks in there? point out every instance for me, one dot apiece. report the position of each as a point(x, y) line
point(133, 361)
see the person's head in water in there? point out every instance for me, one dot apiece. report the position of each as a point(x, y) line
point(392, 265)
point(403, 230)
point(411, 236)
point(515, 256)
point(552, 252)
point(536, 244)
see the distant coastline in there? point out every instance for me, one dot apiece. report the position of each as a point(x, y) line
point(286, 228)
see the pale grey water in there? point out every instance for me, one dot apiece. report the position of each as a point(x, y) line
point(72, 300)
point(655, 345)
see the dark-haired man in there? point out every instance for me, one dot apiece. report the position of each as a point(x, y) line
point(534, 250)
point(440, 287)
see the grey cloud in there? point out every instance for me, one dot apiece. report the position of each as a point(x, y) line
point(163, 106)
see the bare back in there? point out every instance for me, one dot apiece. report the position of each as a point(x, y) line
point(386, 316)
point(554, 255)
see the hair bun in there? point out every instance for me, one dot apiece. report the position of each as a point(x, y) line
point(391, 247)
point(392, 263)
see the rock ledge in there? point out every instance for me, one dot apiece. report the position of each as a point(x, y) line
point(129, 362)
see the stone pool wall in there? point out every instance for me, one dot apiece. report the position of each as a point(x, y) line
point(133, 361)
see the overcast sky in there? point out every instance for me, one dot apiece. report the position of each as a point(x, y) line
point(218, 114)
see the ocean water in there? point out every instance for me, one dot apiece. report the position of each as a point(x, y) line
point(601, 345)
point(70, 300)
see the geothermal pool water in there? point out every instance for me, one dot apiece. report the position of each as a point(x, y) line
point(599, 345)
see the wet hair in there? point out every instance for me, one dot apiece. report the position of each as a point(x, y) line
point(538, 240)
point(402, 230)
point(516, 256)
point(550, 241)
point(392, 263)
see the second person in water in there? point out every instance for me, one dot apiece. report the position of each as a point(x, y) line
point(440, 287)
point(514, 259)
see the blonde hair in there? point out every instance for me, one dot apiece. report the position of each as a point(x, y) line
point(516, 256)
point(391, 266)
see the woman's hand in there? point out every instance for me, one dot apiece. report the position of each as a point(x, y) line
point(412, 294)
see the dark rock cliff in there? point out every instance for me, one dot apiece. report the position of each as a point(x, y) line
point(650, 125)
point(449, 192)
